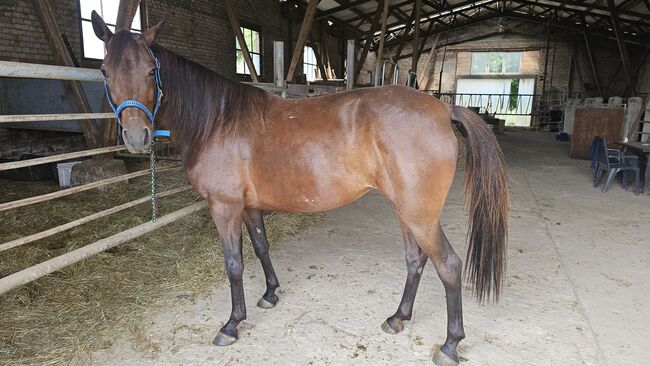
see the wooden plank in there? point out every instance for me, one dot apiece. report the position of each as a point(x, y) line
point(236, 28)
point(53, 117)
point(72, 224)
point(66, 192)
point(43, 269)
point(60, 157)
point(305, 29)
point(61, 57)
point(125, 13)
point(591, 122)
point(382, 40)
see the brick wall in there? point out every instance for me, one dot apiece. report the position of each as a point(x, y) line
point(196, 29)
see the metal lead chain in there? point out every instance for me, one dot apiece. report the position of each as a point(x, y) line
point(154, 206)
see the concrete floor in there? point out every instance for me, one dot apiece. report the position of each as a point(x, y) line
point(578, 285)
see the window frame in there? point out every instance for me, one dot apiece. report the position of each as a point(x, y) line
point(305, 63)
point(81, 21)
point(503, 66)
point(252, 27)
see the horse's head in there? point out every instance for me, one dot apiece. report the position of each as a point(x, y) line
point(132, 81)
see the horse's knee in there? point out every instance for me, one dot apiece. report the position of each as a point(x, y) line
point(234, 268)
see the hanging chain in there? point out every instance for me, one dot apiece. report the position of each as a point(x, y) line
point(154, 206)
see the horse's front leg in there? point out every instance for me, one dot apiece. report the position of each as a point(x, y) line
point(228, 218)
point(255, 224)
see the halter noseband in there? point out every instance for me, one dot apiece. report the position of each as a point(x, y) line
point(131, 103)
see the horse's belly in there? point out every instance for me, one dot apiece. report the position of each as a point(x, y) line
point(291, 196)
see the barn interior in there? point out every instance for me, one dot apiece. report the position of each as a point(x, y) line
point(91, 273)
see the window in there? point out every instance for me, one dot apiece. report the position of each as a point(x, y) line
point(496, 63)
point(252, 39)
point(310, 65)
point(93, 47)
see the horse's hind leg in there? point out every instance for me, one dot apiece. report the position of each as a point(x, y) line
point(255, 225)
point(415, 261)
point(449, 268)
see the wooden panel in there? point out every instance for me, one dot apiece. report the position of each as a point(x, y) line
point(591, 122)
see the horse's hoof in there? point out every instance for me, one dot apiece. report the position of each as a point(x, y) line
point(386, 327)
point(441, 359)
point(223, 340)
point(264, 304)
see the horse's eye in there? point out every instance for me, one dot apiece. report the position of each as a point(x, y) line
point(152, 72)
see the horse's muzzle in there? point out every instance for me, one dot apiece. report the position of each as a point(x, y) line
point(137, 140)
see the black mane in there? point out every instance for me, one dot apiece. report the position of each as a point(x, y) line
point(198, 102)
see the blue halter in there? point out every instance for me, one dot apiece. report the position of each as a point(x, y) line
point(130, 103)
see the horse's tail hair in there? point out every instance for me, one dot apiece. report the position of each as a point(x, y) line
point(486, 195)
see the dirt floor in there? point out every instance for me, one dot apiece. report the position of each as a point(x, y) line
point(578, 284)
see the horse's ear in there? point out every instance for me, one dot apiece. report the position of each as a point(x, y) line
point(99, 26)
point(151, 34)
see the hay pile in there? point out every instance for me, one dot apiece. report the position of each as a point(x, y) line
point(88, 305)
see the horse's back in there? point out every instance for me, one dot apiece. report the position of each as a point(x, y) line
point(321, 153)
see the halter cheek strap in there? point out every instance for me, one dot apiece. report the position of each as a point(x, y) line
point(130, 103)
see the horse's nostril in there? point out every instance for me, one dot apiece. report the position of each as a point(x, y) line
point(147, 136)
point(125, 137)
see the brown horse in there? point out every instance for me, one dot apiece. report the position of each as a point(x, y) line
point(246, 151)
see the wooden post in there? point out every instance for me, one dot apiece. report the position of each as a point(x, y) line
point(125, 13)
point(89, 128)
point(51, 265)
point(350, 74)
point(278, 64)
point(305, 29)
point(416, 40)
point(382, 40)
point(236, 28)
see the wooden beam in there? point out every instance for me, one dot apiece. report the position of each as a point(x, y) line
point(89, 128)
point(125, 13)
point(319, 61)
point(416, 44)
point(305, 29)
point(368, 42)
point(339, 8)
point(236, 28)
point(594, 67)
point(382, 40)
point(622, 48)
point(429, 65)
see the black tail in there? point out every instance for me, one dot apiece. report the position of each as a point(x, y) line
point(486, 192)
